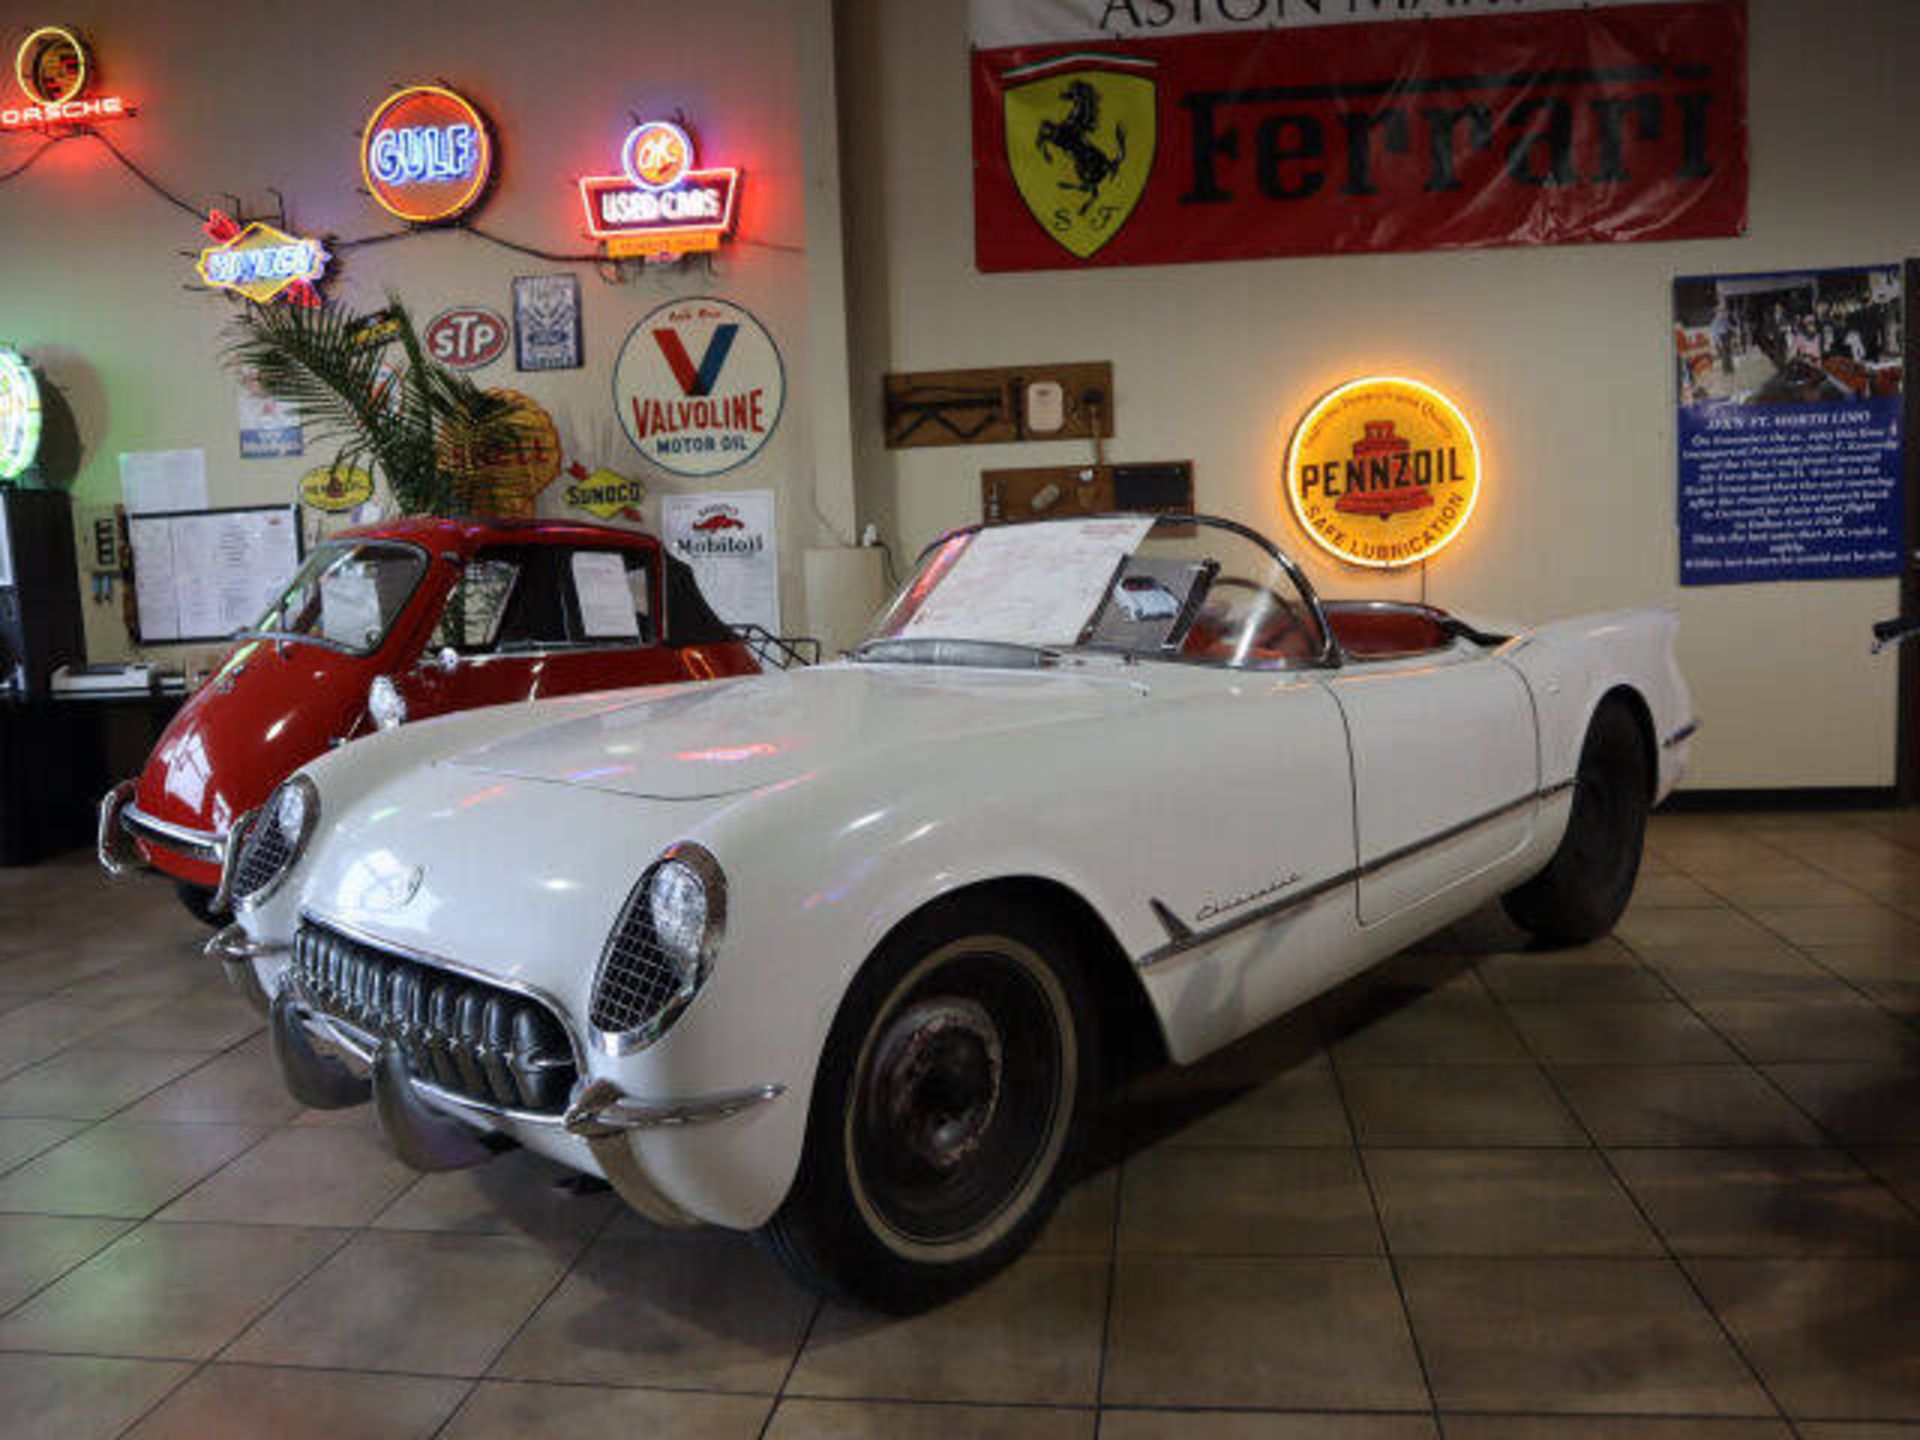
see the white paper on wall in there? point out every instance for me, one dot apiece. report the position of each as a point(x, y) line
point(204, 576)
point(606, 602)
point(154, 481)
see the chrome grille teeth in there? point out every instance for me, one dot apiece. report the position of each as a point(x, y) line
point(475, 1039)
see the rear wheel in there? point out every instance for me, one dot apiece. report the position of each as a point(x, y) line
point(944, 1111)
point(199, 904)
point(1586, 885)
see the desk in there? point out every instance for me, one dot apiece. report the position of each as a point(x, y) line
point(59, 756)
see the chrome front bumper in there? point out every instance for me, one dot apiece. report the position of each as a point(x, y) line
point(121, 822)
point(433, 1128)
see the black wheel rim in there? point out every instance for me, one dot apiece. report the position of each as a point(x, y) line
point(959, 1099)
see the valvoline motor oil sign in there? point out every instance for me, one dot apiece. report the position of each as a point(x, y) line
point(699, 386)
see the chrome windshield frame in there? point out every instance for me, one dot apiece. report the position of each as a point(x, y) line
point(1329, 658)
point(290, 637)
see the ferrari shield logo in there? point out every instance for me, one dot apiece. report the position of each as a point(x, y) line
point(1080, 141)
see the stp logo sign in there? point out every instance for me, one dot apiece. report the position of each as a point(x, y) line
point(699, 386)
point(466, 337)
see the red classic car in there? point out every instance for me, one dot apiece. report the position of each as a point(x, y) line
point(400, 621)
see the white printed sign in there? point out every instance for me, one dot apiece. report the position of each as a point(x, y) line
point(606, 600)
point(729, 542)
point(1028, 584)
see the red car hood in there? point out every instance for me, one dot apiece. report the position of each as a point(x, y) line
point(270, 709)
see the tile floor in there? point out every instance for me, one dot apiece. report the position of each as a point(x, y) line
point(1664, 1186)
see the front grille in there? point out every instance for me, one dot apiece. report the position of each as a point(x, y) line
point(637, 981)
point(263, 856)
point(480, 1041)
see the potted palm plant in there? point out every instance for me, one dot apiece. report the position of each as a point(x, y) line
point(365, 385)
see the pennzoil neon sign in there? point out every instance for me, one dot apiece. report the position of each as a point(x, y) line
point(53, 68)
point(660, 204)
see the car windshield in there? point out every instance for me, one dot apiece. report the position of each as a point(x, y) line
point(347, 595)
point(1189, 589)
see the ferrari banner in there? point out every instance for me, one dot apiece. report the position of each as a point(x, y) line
point(1143, 132)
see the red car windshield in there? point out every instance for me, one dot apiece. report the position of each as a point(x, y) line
point(346, 596)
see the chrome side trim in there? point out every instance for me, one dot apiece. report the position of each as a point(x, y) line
point(115, 850)
point(234, 944)
point(1679, 737)
point(236, 953)
point(1196, 939)
point(200, 844)
point(468, 972)
point(601, 1108)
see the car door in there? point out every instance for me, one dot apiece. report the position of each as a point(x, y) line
point(533, 621)
point(1445, 771)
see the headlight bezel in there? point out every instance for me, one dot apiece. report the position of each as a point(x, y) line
point(692, 968)
point(271, 814)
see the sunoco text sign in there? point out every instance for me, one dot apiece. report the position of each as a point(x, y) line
point(1383, 472)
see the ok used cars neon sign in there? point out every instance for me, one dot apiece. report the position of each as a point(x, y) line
point(660, 204)
point(426, 154)
point(53, 69)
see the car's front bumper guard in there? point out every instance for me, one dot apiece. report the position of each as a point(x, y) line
point(432, 1128)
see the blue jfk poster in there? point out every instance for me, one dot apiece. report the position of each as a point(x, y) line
point(1790, 464)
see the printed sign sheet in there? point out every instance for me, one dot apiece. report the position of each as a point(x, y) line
point(1789, 390)
point(1145, 133)
point(729, 540)
point(206, 574)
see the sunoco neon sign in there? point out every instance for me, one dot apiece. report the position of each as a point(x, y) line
point(660, 204)
point(52, 67)
point(262, 263)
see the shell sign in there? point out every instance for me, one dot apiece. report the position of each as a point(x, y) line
point(1383, 472)
point(426, 154)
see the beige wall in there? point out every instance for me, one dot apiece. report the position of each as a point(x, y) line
point(1561, 355)
point(240, 98)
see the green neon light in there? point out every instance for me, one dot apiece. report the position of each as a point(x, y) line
point(19, 414)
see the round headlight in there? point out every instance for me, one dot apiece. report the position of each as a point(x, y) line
point(661, 950)
point(677, 906)
point(290, 813)
point(272, 844)
point(384, 703)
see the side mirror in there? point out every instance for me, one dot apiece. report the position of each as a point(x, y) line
point(448, 659)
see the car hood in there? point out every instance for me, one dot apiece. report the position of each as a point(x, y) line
point(724, 738)
point(269, 710)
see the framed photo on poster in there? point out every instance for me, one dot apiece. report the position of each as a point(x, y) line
point(546, 323)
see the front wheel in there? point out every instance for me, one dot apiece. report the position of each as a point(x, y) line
point(1587, 884)
point(945, 1109)
point(198, 901)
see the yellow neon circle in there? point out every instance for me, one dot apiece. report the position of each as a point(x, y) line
point(482, 169)
point(52, 33)
point(1374, 472)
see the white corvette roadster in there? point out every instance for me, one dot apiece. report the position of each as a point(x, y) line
point(832, 954)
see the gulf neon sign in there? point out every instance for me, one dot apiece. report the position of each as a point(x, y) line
point(261, 262)
point(53, 67)
point(426, 154)
point(660, 204)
